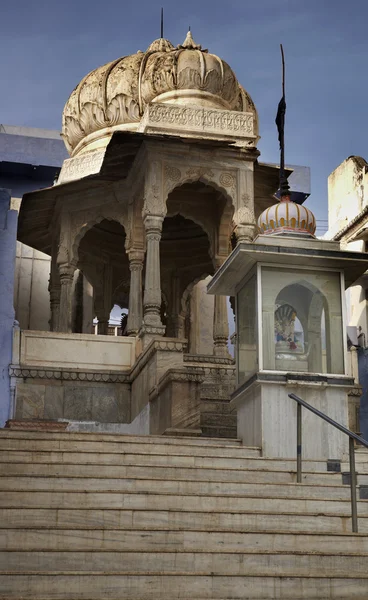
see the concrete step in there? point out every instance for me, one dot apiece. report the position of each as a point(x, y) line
point(15, 462)
point(194, 521)
point(46, 511)
point(166, 586)
point(141, 540)
point(90, 477)
point(40, 492)
point(243, 564)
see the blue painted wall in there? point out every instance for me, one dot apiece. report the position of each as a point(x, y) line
point(8, 237)
point(363, 380)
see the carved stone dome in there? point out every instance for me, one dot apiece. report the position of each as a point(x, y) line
point(287, 217)
point(115, 95)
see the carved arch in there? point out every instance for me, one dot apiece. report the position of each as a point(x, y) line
point(80, 230)
point(206, 175)
point(205, 226)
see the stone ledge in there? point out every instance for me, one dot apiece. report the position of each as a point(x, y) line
point(36, 425)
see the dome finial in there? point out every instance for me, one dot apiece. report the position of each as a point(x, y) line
point(189, 43)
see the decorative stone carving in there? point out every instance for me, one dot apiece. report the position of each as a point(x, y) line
point(81, 166)
point(154, 203)
point(227, 179)
point(172, 173)
point(66, 375)
point(245, 225)
point(198, 172)
point(206, 122)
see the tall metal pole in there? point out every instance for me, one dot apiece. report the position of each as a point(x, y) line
point(280, 122)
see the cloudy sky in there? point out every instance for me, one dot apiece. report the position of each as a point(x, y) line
point(47, 46)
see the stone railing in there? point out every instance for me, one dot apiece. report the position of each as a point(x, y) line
point(77, 351)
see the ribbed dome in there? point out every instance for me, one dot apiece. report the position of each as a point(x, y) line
point(115, 95)
point(287, 217)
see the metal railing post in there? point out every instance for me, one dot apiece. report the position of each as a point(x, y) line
point(299, 443)
point(353, 486)
point(352, 436)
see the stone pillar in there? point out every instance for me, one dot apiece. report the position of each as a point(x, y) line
point(66, 273)
point(55, 291)
point(103, 322)
point(220, 323)
point(152, 291)
point(104, 302)
point(220, 327)
point(135, 314)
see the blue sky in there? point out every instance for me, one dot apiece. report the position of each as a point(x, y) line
point(46, 47)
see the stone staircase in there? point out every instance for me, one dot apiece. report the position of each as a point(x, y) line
point(104, 517)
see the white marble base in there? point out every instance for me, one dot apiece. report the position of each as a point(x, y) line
point(266, 417)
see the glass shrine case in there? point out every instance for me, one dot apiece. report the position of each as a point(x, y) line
point(290, 319)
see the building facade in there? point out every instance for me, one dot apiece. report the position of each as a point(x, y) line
point(348, 224)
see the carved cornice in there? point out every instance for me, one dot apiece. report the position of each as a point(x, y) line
point(210, 358)
point(68, 375)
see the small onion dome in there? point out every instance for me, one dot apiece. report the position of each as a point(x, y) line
point(287, 217)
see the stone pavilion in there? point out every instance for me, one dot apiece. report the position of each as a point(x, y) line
point(163, 180)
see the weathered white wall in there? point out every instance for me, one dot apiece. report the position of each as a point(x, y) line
point(347, 193)
point(31, 296)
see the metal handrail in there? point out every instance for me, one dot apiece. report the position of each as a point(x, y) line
point(352, 437)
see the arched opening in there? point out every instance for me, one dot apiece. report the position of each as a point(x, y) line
point(184, 257)
point(104, 264)
point(196, 232)
point(302, 321)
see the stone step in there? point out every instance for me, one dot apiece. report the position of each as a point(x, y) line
point(141, 540)
point(91, 477)
point(91, 447)
point(196, 521)
point(15, 462)
point(218, 431)
point(97, 506)
point(103, 438)
point(165, 586)
point(201, 563)
point(123, 517)
point(32, 491)
point(360, 467)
